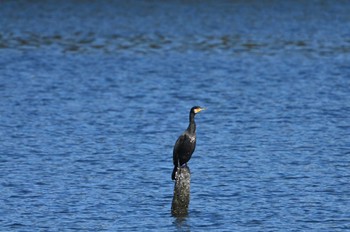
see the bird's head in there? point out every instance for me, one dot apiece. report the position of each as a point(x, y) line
point(197, 109)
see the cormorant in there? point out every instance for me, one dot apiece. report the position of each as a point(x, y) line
point(186, 143)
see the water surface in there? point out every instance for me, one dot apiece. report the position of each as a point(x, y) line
point(94, 95)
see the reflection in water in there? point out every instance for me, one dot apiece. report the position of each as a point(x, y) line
point(85, 43)
point(181, 223)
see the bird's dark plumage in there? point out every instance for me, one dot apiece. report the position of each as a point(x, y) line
point(186, 143)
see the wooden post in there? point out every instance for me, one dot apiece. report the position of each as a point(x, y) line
point(181, 198)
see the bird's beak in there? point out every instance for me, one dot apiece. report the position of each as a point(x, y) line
point(199, 110)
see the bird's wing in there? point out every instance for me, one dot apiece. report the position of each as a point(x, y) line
point(178, 145)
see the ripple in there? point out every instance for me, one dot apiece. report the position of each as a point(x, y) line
point(145, 43)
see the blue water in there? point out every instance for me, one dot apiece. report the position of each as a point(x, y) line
point(93, 96)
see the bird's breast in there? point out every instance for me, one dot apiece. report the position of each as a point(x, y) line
point(192, 139)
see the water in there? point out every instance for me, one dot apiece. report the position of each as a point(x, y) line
point(94, 95)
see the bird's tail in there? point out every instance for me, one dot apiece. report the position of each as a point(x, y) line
point(174, 172)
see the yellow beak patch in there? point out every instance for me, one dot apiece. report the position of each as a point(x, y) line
point(197, 110)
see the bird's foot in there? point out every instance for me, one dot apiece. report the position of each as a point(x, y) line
point(184, 165)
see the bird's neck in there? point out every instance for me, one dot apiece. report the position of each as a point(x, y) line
point(192, 126)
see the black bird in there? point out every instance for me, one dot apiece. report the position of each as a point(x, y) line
point(186, 143)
